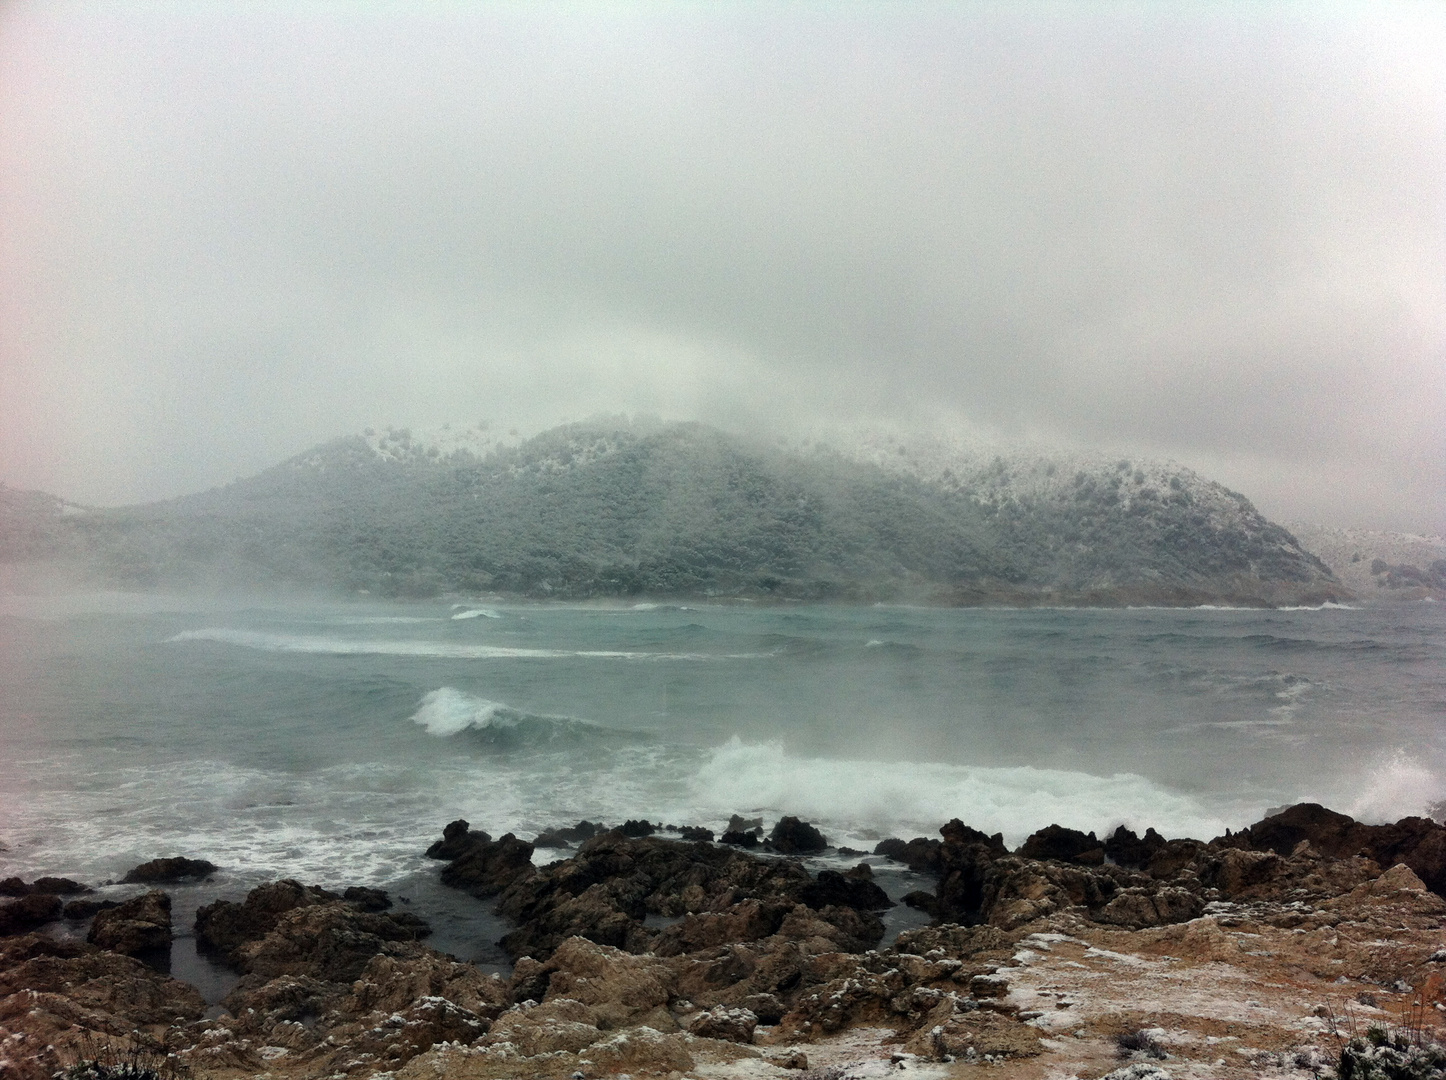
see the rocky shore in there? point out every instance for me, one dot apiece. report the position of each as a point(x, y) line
point(645, 953)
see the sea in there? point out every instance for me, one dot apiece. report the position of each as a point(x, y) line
point(331, 740)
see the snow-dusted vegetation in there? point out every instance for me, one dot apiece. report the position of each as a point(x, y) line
point(613, 509)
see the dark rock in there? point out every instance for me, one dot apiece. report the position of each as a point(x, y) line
point(605, 891)
point(169, 871)
point(1175, 856)
point(488, 868)
point(920, 854)
point(367, 899)
point(457, 840)
point(831, 887)
point(84, 909)
point(331, 941)
point(225, 926)
point(13, 886)
point(1127, 849)
point(58, 886)
point(1058, 843)
point(794, 837)
point(696, 834)
point(739, 839)
point(550, 840)
point(139, 925)
point(926, 902)
point(850, 853)
point(1418, 842)
point(637, 828)
point(583, 830)
point(956, 832)
point(737, 823)
point(28, 912)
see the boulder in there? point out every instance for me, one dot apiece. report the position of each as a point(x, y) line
point(637, 828)
point(1061, 844)
point(920, 854)
point(831, 887)
point(720, 1022)
point(488, 867)
point(58, 886)
point(169, 871)
point(1129, 850)
point(84, 909)
point(28, 913)
point(330, 941)
point(139, 925)
point(367, 899)
point(14, 886)
point(739, 839)
point(225, 925)
point(794, 837)
point(457, 840)
point(696, 834)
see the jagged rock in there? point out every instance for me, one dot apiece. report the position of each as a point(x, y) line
point(28, 913)
point(696, 834)
point(953, 941)
point(794, 837)
point(1129, 850)
point(331, 941)
point(748, 920)
point(920, 854)
point(955, 831)
point(138, 925)
point(284, 999)
point(225, 926)
point(1175, 856)
point(97, 982)
point(721, 1022)
point(169, 871)
point(457, 840)
point(1419, 843)
point(549, 840)
point(583, 830)
point(636, 1050)
point(58, 886)
point(969, 1036)
point(637, 828)
point(613, 882)
point(1059, 843)
point(738, 823)
point(831, 887)
point(562, 1025)
point(367, 899)
point(14, 886)
point(486, 868)
point(739, 839)
point(617, 986)
point(392, 983)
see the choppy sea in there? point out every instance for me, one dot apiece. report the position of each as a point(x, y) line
point(331, 741)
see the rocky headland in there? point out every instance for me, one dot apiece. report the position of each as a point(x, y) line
point(1258, 953)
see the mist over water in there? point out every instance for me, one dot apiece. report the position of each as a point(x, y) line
point(331, 741)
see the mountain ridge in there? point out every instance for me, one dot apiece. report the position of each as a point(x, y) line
point(611, 508)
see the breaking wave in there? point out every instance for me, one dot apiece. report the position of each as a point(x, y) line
point(304, 643)
point(448, 712)
point(914, 798)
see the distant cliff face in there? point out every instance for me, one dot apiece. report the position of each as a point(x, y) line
point(591, 510)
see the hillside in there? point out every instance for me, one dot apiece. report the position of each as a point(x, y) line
point(1380, 565)
point(616, 510)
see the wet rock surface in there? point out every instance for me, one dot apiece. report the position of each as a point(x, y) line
point(1221, 952)
point(169, 871)
point(136, 926)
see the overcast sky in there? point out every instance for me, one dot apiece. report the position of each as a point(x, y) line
point(1209, 232)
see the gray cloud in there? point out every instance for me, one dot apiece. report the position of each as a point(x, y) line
point(1216, 236)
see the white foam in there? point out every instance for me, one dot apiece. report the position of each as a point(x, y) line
point(304, 643)
point(477, 613)
point(1396, 786)
point(447, 711)
point(916, 797)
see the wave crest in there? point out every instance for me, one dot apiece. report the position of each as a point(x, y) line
point(447, 712)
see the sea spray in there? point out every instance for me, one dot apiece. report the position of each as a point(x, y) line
point(916, 797)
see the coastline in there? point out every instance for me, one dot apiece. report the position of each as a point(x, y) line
point(647, 956)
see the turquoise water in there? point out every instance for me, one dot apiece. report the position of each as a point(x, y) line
point(331, 741)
